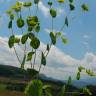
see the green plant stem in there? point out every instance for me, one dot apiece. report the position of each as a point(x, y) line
point(15, 49)
point(36, 10)
point(49, 50)
point(34, 59)
point(31, 64)
point(52, 24)
point(29, 11)
point(39, 68)
point(31, 61)
point(16, 54)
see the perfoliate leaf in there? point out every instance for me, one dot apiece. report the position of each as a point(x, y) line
point(72, 7)
point(12, 16)
point(34, 88)
point(64, 40)
point(43, 59)
point(30, 28)
point(23, 62)
point(20, 22)
point(31, 35)
point(53, 38)
point(61, 1)
point(80, 68)
point(48, 47)
point(17, 40)
point(71, 1)
point(69, 80)
point(50, 3)
point(85, 7)
point(27, 4)
point(53, 12)
point(29, 56)
point(37, 28)
point(24, 38)
point(9, 11)
point(35, 43)
point(90, 73)
point(17, 6)
point(10, 24)
point(11, 41)
point(32, 21)
point(36, 1)
point(66, 21)
point(58, 34)
point(78, 76)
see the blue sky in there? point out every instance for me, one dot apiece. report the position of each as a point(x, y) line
point(80, 33)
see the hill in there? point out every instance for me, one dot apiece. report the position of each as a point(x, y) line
point(15, 79)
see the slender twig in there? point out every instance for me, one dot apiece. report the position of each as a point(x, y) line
point(36, 10)
point(29, 11)
point(16, 54)
point(34, 59)
point(15, 49)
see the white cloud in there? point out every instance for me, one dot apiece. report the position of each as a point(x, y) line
point(86, 36)
point(60, 11)
point(59, 64)
point(44, 9)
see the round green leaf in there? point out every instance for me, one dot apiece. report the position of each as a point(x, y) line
point(30, 28)
point(61, 1)
point(36, 1)
point(12, 16)
point(20, 22)
point(43, 59)
point(35, 43)
point(37, 28)
point(29, 56)
point(50, 3)
point(11, 41)
point(78, 76)
point(48, 47)
point(71, 1)
point(53, 12)
point(31, 35)
point(69, 80)
point(32, 20)
point(66, 21)
point(10, 24)
point(27, 4)
point(17, 40)
point(53, 38)
point(24, 38)
point(85, 7)
point(64, 40)
point(72, 7)
point(23, 62)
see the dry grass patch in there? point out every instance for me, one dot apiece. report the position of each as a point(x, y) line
point(11, 93)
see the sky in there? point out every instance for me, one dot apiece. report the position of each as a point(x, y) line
point(63, 60)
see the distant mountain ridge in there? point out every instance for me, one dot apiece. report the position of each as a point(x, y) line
point(15, 72)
